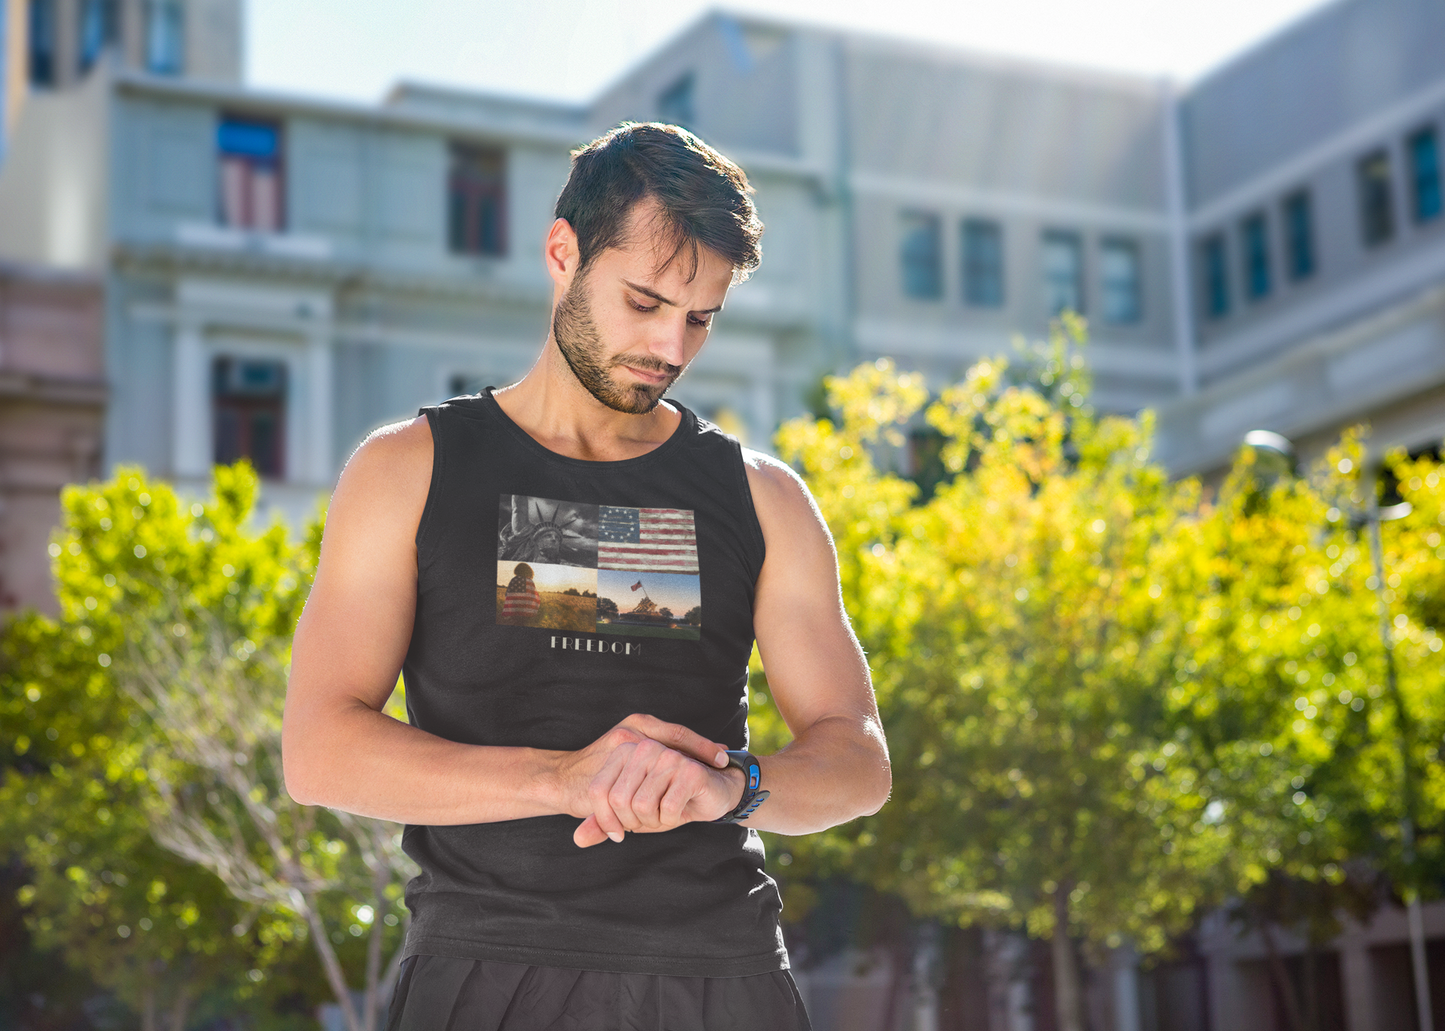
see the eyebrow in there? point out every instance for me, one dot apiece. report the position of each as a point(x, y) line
point(658, 297)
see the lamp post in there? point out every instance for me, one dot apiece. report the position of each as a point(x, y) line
point(1372, 516)
point(1279, 449)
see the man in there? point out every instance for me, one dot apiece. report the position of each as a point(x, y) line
point(566, 788)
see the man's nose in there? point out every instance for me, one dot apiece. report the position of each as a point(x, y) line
point(669, 340)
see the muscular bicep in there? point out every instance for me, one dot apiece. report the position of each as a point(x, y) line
point(814, 664)
point(356, 627)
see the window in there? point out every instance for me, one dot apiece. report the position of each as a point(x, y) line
point(1424, 174)
point(99, 29)
point(1299, 236)
point(477, 200)
point(982, 263)
point(1063, 273)
point(250, 157)
point(1120, 279)
point(1216, 276)
point(922, 256)
point(675, 104)
point(164, 37)
point(1377, 207)
point(42, 42)
point(248, 398)
point(1254, 240)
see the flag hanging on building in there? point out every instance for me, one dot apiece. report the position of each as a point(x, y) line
point(648, 540)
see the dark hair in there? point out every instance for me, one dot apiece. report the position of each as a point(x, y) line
point(704, 198)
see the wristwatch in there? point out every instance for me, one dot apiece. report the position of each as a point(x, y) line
point(753, 796)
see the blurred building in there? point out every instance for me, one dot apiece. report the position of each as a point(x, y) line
point(52, 403)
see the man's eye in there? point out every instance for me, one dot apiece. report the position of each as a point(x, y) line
point(641, 307)
point(699, 322)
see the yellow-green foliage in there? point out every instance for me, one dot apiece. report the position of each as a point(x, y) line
point(1088, 673)
point(141, 572)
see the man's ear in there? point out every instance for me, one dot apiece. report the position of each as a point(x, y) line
point(561, 254)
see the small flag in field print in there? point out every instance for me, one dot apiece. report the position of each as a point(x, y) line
point(647, 540)
point(637, 585)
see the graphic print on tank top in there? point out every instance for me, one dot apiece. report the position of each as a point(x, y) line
point(605, 569)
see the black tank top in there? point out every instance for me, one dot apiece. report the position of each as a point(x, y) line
point(556, 596)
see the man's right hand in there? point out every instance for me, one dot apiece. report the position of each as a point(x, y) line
point(644, 775)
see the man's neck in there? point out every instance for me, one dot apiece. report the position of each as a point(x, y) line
point(555, 410)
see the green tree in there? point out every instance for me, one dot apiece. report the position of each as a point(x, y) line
point(180, 617)
point(1022, 626)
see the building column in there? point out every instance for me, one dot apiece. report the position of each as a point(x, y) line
point(1125, 964)
point(191, 444)
point(318, 410)
point(1358, 982)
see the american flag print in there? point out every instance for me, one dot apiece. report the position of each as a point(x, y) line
point(649, 540)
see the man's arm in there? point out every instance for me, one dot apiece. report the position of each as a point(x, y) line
point(836, 767)
point(340, 750)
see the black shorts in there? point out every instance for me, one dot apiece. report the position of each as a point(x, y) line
point(438, 993)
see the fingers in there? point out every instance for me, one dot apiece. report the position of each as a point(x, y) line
point(642, 787)
point(589, 833)
point(680, 738)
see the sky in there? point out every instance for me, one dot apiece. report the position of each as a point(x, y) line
point(569, 50)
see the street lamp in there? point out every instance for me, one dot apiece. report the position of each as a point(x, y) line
point(1272, 451)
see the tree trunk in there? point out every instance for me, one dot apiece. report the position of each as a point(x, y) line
point(1281, 977)
point(380, 878)
point(1068, 991)
point(332, 967)
point(180, 1009)
point(148, 1008)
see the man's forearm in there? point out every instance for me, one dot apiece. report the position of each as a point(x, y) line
point(373, 765)
point(835, 771)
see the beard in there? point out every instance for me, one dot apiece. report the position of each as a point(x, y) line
point(581, 346)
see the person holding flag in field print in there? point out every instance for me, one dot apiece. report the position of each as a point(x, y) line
point(522, 600)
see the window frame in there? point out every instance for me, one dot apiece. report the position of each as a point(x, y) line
point(253, 163)
point(1376, 198)
point(1425, 196)
point(930, 223)
point(1214, 275)
point(1134, 249)
point(246, 404)
point(42, 43)
point(985, 280)
point(1297, 222)
point(165, 20)
point(102, 18)
point(1074, 242)
point(1254, 254)
point(468, 183)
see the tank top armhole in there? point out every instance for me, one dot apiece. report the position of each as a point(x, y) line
point(424, 525)
point(755, 528)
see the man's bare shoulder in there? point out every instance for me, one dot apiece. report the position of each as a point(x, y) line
point(781, 498)
point(390, 469)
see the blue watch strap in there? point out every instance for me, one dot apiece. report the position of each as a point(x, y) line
point(753, 795)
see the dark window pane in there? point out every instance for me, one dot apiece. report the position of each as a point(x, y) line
point(1425, 175)
point(248, 399)
point(982, 263)
point(675, 104)
point(42, 42)
point(1299, 235)
point(99, 29)
point(164, 37)
point(1377, 207)
point(1254, 239)
point(1120, 279)
point(922, 256)
point(1063, 273)
point(1216, 276)
point(477, 200)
